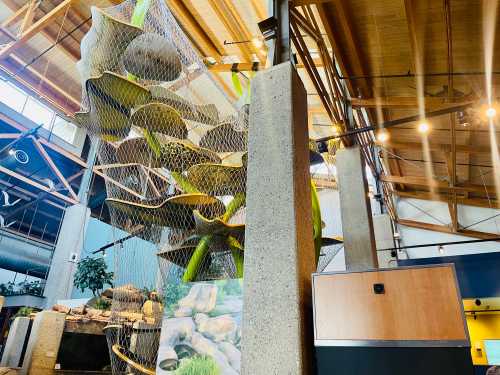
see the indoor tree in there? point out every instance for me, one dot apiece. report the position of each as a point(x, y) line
point(92, 274)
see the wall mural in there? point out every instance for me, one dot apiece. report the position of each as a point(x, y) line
point(202, 329)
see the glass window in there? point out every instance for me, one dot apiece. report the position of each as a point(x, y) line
point(38, 113)
point(64, 129)
point(12, 96)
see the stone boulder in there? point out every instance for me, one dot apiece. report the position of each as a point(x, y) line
point(61, 308)
point(201, 298)
point(220, 328)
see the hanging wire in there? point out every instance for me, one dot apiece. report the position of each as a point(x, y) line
point(425, 212)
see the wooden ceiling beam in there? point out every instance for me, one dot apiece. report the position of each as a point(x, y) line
point(56, 96)
point(407, 102)
point(329, 12)
point(229, 16)
point(447, 229)
point(47, 32)
point(461, 199)
point(437, 184)
point(436, 147)
point(28, 16)
point(16, 16)
point(210, 35)
point(259, 9)
point(193, 29)
point(34, 29)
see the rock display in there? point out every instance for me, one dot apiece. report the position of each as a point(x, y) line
point(204, 323)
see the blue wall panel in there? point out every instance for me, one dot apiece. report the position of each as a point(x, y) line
point(478, 274)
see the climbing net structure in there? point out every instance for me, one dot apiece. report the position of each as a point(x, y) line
point(174, 166)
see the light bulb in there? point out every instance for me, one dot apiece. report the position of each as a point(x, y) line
point(423, 127)
point(383, 136)
point(257, 42)
point(491, 112)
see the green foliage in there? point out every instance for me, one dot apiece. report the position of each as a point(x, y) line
point(24, 311)
point(102, 304)
point(316, 212)
point(198, 365)
point(92, 274)
point(173, 293)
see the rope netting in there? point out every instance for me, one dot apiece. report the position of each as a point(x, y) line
point(174, 166)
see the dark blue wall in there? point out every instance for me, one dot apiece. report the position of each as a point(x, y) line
point(478, 275)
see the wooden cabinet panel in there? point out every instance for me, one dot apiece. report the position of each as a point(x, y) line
point(418, 304)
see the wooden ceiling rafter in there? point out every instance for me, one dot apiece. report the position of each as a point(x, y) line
point(229, 16)
point(34, 29)
point(259, 9)
point(52, 36)
point(438, 184)
point(447, 229)
point(297, 23)
point(15, 16)
point(201, 39)
point(462, 198)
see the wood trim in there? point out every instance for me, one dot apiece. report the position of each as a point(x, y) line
point(259, 9)
point(435, 147)
point(229, 16)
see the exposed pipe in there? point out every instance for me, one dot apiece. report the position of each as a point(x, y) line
point(21, 255)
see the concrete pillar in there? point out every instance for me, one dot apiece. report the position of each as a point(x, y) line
point(66, 254)
point(15, 342)
point(356, 213)
point(279, 250)
point(43, 344)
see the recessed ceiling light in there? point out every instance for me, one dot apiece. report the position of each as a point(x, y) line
point(423, 127)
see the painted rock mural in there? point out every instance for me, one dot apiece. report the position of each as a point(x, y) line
point(201, 329)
